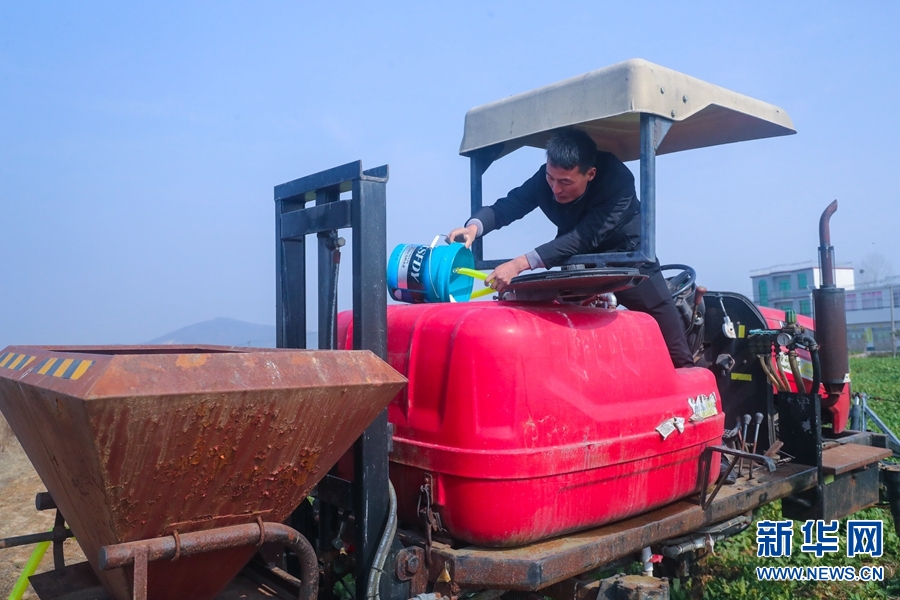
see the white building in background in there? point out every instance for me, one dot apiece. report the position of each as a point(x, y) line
point(872, 310)
point(789, 287)
point(872, 314)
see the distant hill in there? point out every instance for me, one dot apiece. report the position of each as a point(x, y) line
point(227, 332)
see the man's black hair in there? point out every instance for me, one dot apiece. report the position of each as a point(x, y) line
point(569, 148)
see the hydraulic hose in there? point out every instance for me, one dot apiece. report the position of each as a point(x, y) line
point(778, 372)
point(817, 370)
point(795, 369)
point(706, 535)
point(381, 554)
point(772, 379)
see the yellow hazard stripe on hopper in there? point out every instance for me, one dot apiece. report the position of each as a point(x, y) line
point(16, 362)
point(65, 368)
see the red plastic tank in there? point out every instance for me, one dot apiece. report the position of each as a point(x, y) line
point(537, 420)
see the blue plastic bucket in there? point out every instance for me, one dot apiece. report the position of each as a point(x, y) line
point(425, 274)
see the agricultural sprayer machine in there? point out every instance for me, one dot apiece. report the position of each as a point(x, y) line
point(442, 450)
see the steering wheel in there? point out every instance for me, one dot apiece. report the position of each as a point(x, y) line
point(680, 282)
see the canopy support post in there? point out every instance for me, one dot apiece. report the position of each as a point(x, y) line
point(653, 130)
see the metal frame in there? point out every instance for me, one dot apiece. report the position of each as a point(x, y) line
point(364, 213)
point(653, 131)
point(800, 422)
point(892, 439)
point(57, 535)
point(707, 497)
point(536, 566)
point(140, 553)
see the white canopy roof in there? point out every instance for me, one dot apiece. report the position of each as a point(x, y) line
point(607, 103)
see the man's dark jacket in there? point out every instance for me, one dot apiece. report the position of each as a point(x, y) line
point(607, 218)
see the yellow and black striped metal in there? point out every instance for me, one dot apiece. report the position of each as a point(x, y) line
point(15, 361)
point(66, 368)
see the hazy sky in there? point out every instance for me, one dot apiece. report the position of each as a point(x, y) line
point(139, 145)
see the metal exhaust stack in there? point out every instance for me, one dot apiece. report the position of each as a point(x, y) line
point(831, 327)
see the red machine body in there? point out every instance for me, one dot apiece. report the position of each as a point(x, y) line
point(835, 407)
point(537, 420)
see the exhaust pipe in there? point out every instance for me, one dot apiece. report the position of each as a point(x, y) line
point(826, 250)
point(831, 326)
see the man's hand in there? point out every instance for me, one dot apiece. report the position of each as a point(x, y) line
point(502, 275)
point(466, 235)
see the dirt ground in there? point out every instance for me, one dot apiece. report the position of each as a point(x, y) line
point(18, 486)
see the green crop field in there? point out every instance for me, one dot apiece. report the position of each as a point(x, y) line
point(880, 379)
point(731, 571)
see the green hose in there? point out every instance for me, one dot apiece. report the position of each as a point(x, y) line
point(30, 567)
point(475, 275)
point(470, 272)
point(484, 292)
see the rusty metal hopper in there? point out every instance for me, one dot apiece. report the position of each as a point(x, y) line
point(138, 442)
